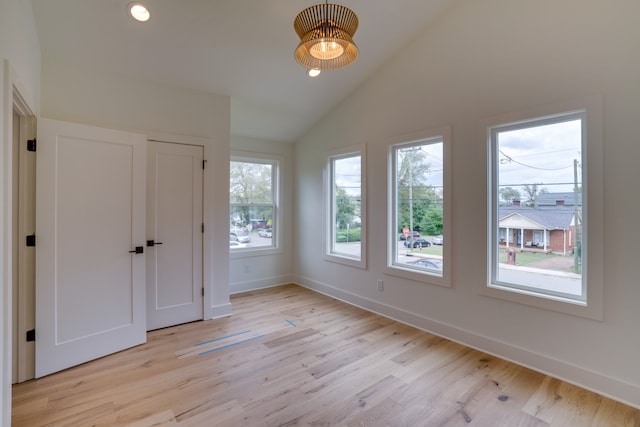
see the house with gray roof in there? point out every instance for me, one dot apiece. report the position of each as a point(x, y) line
point(558, 199)
point(546, 228)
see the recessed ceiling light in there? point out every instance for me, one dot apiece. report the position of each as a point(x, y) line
point(313, 72)
point(139, 12)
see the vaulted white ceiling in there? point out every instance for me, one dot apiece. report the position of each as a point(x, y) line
point(240, 48)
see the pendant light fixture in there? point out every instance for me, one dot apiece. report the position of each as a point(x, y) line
point(326, 37)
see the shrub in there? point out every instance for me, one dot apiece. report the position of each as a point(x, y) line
point(344, 236)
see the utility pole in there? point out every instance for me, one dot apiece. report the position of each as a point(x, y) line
point(577, 248)
point(410, 237)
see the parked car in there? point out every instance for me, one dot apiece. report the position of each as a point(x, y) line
point(437, 240)
point(265, 232)
point(240, 235)
point(431, 263)
point(415, 234)
point(236, 245)
point(418, 242)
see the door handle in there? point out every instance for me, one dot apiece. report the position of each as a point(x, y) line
point(137, 250)
point(153, 243)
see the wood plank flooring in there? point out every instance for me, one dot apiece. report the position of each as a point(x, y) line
point(291, 357)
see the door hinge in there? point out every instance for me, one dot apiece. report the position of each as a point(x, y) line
point(203, 227)
point(31, 240)
point(31, 335)
point(204, 164)
point(202, 291)
point(31, 144)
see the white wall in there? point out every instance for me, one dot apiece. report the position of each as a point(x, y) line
point(92, 97)
point(267, 269)
point(19, 68)
point(482, 59)
point(19, 45)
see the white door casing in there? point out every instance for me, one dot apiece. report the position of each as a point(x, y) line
point(25, 273)
point(90, 290)
point(174, 224)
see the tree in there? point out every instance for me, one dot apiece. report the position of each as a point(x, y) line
point(249, 184)
point(509, 194)
point(417, 200)
point(432, 221)
point(345, 208)
point(532, 192)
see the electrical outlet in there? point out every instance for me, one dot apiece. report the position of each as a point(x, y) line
point(380, 285)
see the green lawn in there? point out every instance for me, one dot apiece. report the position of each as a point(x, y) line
point(432, 250)
point(522, 258)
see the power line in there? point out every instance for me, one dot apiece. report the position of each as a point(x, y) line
point(511, 159)
point(544, 153)
point(538, 183)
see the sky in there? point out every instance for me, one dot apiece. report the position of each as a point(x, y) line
point(543, 155)
point(435, 160)
point(347, 169)
point(536, 155)
point(347, 174)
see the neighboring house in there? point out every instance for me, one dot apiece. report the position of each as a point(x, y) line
point(558, 199)
point(550, 228)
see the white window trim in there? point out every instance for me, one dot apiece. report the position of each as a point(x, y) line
point(330, 255)
point(276, 161)
point(392, 269)
point(593, 305)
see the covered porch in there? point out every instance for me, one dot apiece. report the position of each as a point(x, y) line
point(520, 232)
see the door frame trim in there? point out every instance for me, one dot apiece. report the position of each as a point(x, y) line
point(10, 90)
point(24, 297)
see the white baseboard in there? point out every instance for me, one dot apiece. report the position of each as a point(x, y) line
point(613, 388)
point(217, 311)
point(263, 283)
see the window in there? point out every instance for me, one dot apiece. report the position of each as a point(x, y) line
point(418, 233)
point(542, 215)
point(346, 207)
point(253, 194)
point(537, 205)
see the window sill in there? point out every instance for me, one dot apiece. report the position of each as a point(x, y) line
point(346, 260)
point(418, 276)
point(548, 302)
point(253, 252)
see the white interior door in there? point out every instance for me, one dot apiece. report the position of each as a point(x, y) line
point(90, 290)
point(174, 234)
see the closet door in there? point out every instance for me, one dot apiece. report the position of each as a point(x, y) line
point(174, 234)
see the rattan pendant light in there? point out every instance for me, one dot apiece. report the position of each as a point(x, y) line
point(326, 37)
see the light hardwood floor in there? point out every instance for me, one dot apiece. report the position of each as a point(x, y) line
point(291, 357)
